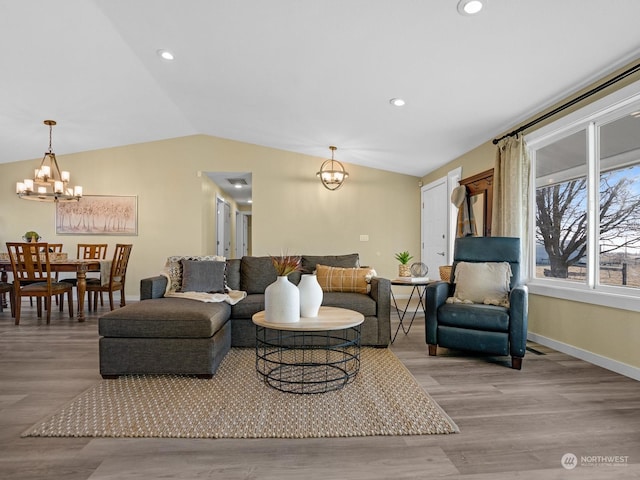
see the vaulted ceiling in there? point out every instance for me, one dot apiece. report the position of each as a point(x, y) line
point(298, 75)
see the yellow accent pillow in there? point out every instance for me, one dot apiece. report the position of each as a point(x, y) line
point(337, 279)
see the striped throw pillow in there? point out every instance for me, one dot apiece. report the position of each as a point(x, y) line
point(337, 279)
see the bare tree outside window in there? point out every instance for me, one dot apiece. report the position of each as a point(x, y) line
point(561, 219)
point(562, 225)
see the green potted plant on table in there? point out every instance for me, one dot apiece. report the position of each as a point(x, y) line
point(404, 258)
point(31, 236)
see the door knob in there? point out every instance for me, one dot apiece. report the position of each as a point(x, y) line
point(440, 253)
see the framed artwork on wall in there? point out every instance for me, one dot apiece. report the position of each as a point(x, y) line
point(98, 215)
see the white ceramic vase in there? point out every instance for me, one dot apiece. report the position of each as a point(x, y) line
point(310, 296)
point(282, 302)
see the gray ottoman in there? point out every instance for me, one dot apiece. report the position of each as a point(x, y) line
point(164, 336)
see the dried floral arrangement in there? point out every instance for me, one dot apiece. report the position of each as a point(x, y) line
point(286, 264)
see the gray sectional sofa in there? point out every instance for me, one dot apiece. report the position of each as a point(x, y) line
point(167, 335)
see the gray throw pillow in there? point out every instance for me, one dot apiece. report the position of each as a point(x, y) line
point(202, 276)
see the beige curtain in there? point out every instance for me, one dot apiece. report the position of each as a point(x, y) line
point(511, 193)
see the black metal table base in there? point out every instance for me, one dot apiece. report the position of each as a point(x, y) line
point(422, 301)
point(307, 362)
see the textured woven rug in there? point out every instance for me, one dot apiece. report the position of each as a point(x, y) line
point(384, 399)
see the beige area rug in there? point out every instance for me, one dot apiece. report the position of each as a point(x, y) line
point(384, 399)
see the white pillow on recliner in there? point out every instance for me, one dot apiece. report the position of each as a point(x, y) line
point(486, 283)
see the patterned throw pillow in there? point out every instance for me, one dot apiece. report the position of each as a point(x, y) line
point(337, 279)
point(173, 268)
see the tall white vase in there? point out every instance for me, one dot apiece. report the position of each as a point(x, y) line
point(282, 302)
point(310, 296)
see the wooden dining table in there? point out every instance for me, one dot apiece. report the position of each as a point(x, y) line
point(80, 267)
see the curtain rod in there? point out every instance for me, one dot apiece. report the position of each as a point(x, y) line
point(570, 103)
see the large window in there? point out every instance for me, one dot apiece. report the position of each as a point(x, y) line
point(561, 208)
point(586, 227)
point(619, 202)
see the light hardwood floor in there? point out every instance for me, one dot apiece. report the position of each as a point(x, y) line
point(514, 424)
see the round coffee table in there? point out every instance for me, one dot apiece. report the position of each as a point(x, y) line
point(314, 355)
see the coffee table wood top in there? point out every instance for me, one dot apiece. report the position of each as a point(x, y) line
point(329, 318)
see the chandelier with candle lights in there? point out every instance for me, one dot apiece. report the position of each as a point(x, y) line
point(49, 184)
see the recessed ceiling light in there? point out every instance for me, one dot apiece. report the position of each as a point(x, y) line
point(165, 54)
point(469, 7)
point(397, 102)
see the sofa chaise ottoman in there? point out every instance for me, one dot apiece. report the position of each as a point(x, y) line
point(166, 336)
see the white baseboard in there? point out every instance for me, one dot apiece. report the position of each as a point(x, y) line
point(604, 362)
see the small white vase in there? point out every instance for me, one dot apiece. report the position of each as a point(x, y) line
point(282, 302)
point(310, 296)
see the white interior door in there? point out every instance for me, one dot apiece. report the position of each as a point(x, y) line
point(245, 234)
point(220, 226)
point(226, 212)
point(242, 234)
point(239, 235)
point(435, 226)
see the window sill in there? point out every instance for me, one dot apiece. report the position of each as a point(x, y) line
point(584, 295)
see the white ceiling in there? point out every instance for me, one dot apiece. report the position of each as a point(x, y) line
point(298, 75)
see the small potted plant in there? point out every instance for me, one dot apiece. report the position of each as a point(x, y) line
point(31, 236)
point(404, 258)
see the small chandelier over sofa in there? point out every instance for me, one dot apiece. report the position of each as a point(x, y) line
point(332, 173)
point(49, 184)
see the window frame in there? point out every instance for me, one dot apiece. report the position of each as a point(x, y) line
point(589, 119)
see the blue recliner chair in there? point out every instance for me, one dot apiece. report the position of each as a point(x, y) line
point(489, 329)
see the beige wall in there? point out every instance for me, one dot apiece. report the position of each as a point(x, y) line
point(608, 332)
point(292, 211)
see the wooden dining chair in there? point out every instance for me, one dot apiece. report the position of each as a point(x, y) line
point(89, 251)
point(4, 289)
point(55, 248)
point(32, 278)
point(93, 251)
point(117, 277)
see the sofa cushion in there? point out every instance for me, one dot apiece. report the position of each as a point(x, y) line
point(232, 273)
point(473, 316)
point(337, 279)
point(309, 262)
point(250, 305)
point(165, 318)
point(359, 302)
point(257, 273)
point(202, 276)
